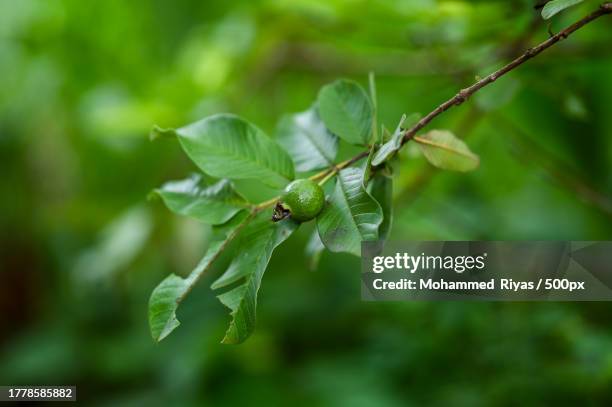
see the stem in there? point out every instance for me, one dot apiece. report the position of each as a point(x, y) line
point(194, 278)
point(265, 204)
point(322, 177)
point(463, 95)
point(372, 82)
point(329, 176)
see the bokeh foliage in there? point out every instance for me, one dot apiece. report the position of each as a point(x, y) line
point(81, 83)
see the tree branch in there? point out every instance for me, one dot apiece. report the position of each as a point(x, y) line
point(465, 93)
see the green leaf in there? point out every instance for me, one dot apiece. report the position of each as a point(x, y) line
point(391, 146)
point(167, 296)
point(555, 6)
point(314, 250)
point(443, 150)
point(213, 204)
point(255, 247)
point(226, 146)
point(351, 216)
point(346, 110)
point(381, 189)
point(395, 142)
point(305, 137)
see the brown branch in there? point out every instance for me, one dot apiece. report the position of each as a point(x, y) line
point(407, 193)
point(465, 93)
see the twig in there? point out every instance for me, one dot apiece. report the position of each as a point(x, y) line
point(336, 168)
point(464, 94)
point(322, 177)
point(407, 193)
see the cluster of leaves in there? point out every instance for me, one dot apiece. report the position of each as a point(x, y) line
point(358, 207)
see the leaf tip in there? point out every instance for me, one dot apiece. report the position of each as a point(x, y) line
point(153, 195)
point(158, 334)
point(402, 121)
point(233, 336)
point(168, 330)
point(229, 341)
point(163, 303)
point(474, 166)
point(159, 132)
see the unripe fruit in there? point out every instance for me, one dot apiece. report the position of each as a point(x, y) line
point(304, 199)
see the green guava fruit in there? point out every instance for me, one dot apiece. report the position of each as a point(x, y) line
point(303, 199)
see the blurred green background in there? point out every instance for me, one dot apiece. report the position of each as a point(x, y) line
point(82, 82)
